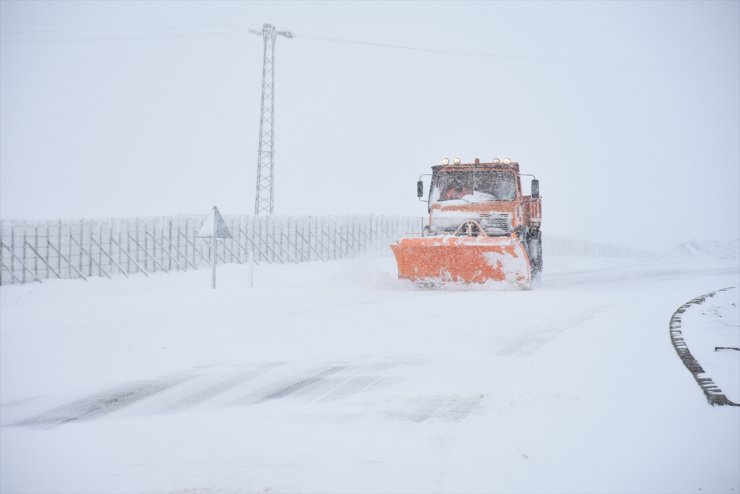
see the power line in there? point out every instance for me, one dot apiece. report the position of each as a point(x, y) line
point(118, 29)
point(314, 37)
point(120, 34)
point(237, 27)
point(173, 36)
point(564, 62)
point(148, 33)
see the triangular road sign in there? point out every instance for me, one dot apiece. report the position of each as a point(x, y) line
point(214, 221)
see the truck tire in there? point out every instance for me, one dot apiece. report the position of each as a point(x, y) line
point(534, 249)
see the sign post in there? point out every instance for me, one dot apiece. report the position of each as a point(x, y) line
point(214, 227)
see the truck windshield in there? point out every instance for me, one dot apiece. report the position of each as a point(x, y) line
point(479, 184)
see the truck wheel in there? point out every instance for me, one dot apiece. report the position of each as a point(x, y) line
point(534, 248)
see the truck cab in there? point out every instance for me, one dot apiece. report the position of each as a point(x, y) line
point(488, 193)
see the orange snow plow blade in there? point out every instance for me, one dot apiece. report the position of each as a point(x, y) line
point(463, 259)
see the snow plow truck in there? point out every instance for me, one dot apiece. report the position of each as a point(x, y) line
point(481, 228)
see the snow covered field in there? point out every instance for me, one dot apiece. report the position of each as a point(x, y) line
point(338, 377)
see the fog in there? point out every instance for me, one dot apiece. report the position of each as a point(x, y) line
point(627, 112)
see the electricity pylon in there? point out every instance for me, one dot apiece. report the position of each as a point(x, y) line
point(263, 202)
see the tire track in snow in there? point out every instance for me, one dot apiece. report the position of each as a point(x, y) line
point(220, 387)
point(172, 394)
point(351, 386)
point(300, 385)
point(713, 393)
point(99, 404)
point(360, 383)
point(443, 408)
point(322, 385)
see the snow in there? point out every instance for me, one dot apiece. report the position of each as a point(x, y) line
point(715, 323)
point(338, 377)
point(703, 250)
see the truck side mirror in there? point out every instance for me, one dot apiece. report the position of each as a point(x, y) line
point(419, 188)
point(535, 188)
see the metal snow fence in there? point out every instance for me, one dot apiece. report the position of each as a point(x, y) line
point(37, 250)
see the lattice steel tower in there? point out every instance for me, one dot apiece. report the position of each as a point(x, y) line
point(263, 202)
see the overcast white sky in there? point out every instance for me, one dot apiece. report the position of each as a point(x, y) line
point(628, 112)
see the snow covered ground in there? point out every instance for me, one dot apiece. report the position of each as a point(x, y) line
point(338, 377)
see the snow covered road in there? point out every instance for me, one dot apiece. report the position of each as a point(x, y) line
point(339, 378)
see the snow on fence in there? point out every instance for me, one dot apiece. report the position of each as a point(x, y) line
point(38, 250)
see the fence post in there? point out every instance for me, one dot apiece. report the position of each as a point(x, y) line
point(89, 250)
point(169, 243)
point(49, 267)
point(308, 236)
point(176, 245)
point(257, 225)
point(100, 251)
point(238, 239)
point(159, 239)
point(146, 248)
point(36, 248)
point(12, 248)
point(111, 233)
point(59, 243)
point(186, 244)
point(80, 259)
point(357, 233)
point(23, 259)
point(69, 250)
point(120, 246)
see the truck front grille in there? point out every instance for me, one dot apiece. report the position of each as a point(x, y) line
point(496, 223)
